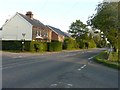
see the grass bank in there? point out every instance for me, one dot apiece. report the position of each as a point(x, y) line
point(102, 58)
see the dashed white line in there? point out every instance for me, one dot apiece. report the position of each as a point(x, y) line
point(70, 85)
point(53, 85)
point(90, 58)
point(81, 67)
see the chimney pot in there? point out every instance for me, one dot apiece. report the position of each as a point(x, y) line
point(29, 14)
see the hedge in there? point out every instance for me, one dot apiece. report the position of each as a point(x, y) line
point(70, 44)
point(34, 46)
point(54, 46)
point(28, 46)
point(11, 45)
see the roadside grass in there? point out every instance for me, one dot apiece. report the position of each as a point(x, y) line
point(102, 58)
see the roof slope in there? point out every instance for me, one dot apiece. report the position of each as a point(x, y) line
point(67, 34)
point(33, 21)
point(58, 31)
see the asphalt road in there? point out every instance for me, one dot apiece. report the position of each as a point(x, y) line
point(74, 69)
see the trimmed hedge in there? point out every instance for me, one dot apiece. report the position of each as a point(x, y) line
point(11, 45)
point(55, 46)
point(34, 46)
point(28, 46)
point(70, 44)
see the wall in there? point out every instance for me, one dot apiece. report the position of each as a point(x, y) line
point(54, 36)
point(13, 29)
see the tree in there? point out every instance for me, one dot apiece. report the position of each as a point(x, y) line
point(106, 20)
point(77, 28)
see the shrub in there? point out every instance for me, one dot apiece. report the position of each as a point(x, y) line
point(70, 44)
point(11, 45)
point(36, 46)
point(91, 44)
point(113, 56)
point(54, 46)
point(28, 46)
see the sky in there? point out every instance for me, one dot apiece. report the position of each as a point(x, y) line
point(57, 13)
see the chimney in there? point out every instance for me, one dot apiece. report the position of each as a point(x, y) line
point(29, 14)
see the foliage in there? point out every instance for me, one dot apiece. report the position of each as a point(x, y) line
point(102, 59)
point(28, 46)
point(106, 20)
point(70, 43)
point(35, 46)
point(55, 46)
point(77, 28)
point(91, 43)
point(84, 40)
point(113, 56)
point(100, 41)
point(11, 45)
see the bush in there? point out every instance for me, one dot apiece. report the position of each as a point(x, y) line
point(91, 44)
point(28, 46)
point(11, 45)
point(70, 44)
point(113, 56)
point(36, 46)
point(54, 46)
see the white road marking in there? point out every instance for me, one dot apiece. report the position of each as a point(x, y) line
point(53, 85)
point(79, 69)
point(70, 85)
point(83, 66)
point(90, 58)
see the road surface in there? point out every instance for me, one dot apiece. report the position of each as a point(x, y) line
point(75, 69)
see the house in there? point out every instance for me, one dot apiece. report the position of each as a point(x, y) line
point(25, 27)
point(57, 34)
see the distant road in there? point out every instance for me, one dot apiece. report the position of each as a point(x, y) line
point(74, 69)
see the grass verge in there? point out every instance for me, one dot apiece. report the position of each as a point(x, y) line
point(102, 59)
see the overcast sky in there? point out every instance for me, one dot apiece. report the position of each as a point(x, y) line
point(57, 13)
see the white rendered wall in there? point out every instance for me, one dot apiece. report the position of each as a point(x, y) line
point(14, 28)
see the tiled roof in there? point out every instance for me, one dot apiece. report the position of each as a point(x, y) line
point(67, 34)
point(58, 31)
point(33, 21)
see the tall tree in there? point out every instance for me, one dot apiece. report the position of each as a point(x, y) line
point(77, 28)
point(106, 20)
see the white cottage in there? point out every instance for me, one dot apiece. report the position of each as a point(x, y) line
point(23, 27)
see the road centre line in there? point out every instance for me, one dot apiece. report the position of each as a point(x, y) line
point(81, 67)
point(53, 85)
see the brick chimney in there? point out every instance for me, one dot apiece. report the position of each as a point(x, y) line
point(29, 14)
